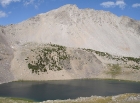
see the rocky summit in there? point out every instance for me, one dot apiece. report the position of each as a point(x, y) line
point(70, 43)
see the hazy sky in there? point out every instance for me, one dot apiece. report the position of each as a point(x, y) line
point(15, 11)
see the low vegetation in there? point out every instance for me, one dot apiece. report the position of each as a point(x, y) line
point(136, 67)
point(104, 54)
point(15, 100)
point(52, 57)
point(114, 70)
point(48, 57)
point(136, 60)
point(113, 57)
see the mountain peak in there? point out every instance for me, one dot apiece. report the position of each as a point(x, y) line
point(69, 6)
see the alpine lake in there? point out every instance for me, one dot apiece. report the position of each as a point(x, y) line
point(66, 89)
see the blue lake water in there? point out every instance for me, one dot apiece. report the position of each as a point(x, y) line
point(65, 89)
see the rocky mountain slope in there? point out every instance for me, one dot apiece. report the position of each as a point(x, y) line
point(93, 44)
point(84, 28)
point(6, 55)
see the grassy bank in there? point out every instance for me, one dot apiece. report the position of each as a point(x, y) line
point(15, 100)
point(110, 79)
point(123, 98)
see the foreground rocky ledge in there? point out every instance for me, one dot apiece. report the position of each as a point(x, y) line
point(123, 98)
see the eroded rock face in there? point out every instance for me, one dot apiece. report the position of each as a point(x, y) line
point(6, 56)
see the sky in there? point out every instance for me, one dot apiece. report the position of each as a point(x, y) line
point(16, 11)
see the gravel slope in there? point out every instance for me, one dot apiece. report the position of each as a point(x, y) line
point(84, 28)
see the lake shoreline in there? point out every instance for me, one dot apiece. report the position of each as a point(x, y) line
point(78, 79)
point(121, 98)
point(73, 79)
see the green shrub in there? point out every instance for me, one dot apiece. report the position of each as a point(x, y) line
point(136, 67)
point(42, 58)
point(114, 70)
